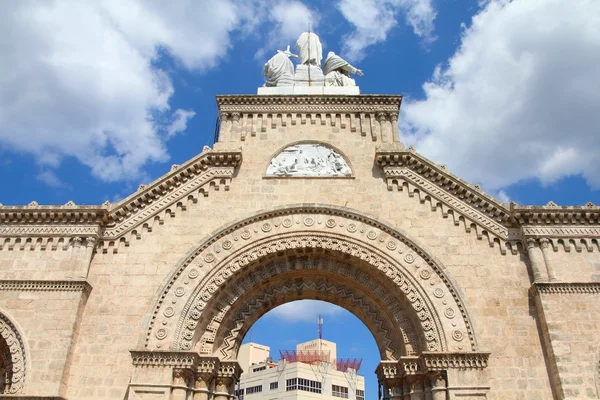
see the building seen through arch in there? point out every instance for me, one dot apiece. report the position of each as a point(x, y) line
point(311, 371)
point(307, 193)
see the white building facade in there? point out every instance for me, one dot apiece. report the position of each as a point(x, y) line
point(297, 379)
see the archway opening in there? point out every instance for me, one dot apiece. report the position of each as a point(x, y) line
point(285, 342)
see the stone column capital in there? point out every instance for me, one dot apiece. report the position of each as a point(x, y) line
point(531, 243)
point(381, 116)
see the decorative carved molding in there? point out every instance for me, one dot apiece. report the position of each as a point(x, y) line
point(340, 229)
point(552, 214)
point(431, 362)
point(246, 296)
point(444, 190)
point(174, 359)
point(309, 104)
point(133, 215)
point(45, 286)
point(444, 361)
point(14, 344)
point(554, 288)
point(505, 225)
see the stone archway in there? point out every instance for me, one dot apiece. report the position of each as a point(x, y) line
point(401, 293)
point(13, 363)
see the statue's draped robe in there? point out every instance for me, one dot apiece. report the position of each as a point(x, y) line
point(280, 70)
point(333, 67)
point(309, 42)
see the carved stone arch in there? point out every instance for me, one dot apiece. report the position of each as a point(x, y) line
point(383, 251)
point(320, 275)
point(324, 144)
point(13, 357)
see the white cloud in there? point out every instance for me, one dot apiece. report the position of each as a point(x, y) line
point(373, 19)
point(79, 78)
point(49, 178)
point(519, 98)
point(304, 311)
point(288, 19)
point(179, 123)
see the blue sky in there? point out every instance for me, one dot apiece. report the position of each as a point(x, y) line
point(99, 97)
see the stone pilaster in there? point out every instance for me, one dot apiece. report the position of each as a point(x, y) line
point(534, 258)
point(545, 246)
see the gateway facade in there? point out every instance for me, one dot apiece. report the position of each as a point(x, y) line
point(303, 196)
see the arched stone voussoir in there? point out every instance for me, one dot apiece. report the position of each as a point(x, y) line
point(423, 281)
point(14, 356)
point(254, 291)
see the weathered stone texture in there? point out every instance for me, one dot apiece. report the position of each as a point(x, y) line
point(455, 263)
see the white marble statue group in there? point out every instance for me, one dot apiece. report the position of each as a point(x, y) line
point(335, 72)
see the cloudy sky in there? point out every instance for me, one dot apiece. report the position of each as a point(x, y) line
point(97, 97)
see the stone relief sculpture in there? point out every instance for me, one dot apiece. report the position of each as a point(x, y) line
point(310, 159)
point(337, 71)
point(279, 69)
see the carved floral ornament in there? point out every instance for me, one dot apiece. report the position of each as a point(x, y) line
point(187, 296)
point(16, 356)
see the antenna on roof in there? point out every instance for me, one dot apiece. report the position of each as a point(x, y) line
point(320, 323)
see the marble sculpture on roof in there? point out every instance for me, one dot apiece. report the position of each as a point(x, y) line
point(308, 72)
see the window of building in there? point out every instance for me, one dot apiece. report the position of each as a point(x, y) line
point(339, 391)
point(259, 368)
point(254, 389)
point(360, 394)
point(239, 394)
point(303, 384)
point(274, 385)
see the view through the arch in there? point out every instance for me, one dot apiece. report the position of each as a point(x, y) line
point(290, 332)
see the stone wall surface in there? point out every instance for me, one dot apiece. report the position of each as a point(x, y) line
point(84, 353)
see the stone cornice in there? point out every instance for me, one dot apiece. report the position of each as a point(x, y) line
point(188, 360)
point(557, 288)
point(308, 104)
point(443, 361)
point(175, 359)
point(45, 286)
point(431, 362)
point(67, 215)
point(509, 223)
point(111, 222)
point(442, 178)
point(552, 214)
point(177, 176)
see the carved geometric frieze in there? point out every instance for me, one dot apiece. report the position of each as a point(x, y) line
point(284, 284)
point(194, 281)
point(45, 286)
point(309, 104)
point(566, 288)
